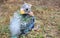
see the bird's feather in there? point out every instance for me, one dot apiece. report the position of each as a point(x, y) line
point(21, 23)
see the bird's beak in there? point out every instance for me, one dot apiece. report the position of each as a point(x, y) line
point(31, 14)
point(22, 11)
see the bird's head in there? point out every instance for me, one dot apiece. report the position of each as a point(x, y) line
point(26, 9)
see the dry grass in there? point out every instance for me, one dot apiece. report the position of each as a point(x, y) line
point(47, 22)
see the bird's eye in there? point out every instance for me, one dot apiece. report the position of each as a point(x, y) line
point(27, 9)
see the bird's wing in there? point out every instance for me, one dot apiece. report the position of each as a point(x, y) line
point(15, 24)
point(29, 26)
point(31, 23)
point(15, 15)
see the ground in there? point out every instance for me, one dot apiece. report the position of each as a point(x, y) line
point(47, 23)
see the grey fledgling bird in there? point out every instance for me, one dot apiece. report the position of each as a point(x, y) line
point(22, 21)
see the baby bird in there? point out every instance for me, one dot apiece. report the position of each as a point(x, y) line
point(22, 21)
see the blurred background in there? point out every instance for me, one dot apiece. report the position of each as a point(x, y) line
point(47, 13)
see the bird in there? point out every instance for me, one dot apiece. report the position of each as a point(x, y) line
point(22, 21)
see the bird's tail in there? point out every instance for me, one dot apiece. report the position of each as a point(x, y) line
point(14, 37)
